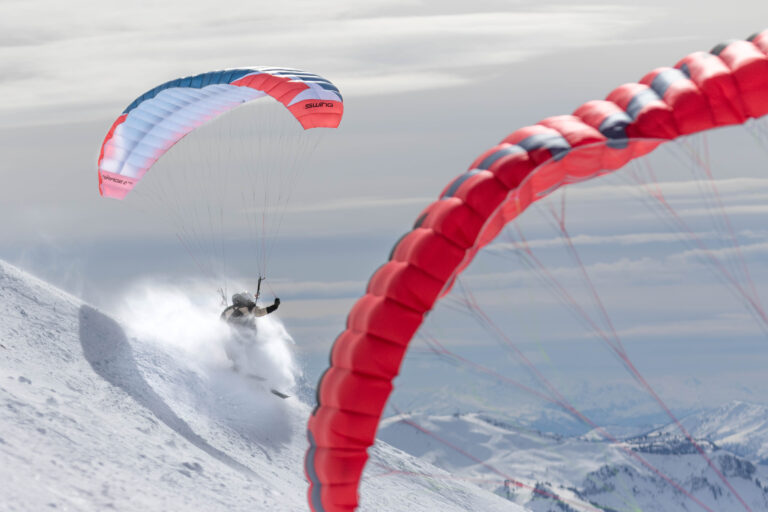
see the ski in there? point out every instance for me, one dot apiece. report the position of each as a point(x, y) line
point(271, 390)
point(278, 393)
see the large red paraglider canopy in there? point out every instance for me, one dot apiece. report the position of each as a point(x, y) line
point(727, 86)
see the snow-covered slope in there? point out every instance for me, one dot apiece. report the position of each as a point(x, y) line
point(91, 419)
point(581, 473)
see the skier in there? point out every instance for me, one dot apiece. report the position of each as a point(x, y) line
point(241, 313)
point(244, 308)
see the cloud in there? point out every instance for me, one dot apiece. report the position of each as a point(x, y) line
point(709, 243)
point(734, 189)
point(710, 327)
point(321, 289)
point(755, 249)
point(744, 209)
point(95, 53)
point(615, 239)
point(360, 203)
point(618, 273)
point(306, 310)
point(615, 270)
point(653, 282)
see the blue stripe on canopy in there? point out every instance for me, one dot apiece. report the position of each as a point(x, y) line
point(230, 75)
point(194, 82)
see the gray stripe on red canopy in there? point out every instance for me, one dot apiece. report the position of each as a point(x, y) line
point(458, 181)
point(614, 128)
point(639, 102)
point(499, 153)
point(718, 49)
point(554, 142)
point(666, 78)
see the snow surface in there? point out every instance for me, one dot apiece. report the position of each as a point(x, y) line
point(97, 414)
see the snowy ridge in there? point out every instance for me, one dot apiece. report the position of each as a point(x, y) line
point(91, 419)
point(739, 427)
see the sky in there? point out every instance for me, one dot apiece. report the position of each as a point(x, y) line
point(427, 87)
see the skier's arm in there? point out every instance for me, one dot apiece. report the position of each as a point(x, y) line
point(274, 306)
point(258, 312)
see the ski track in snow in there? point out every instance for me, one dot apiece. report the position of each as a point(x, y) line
point(92, 419)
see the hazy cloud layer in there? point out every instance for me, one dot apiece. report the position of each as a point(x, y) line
point(428, 86)
point(89, 52)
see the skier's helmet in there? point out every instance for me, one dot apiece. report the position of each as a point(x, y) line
point(243, 300)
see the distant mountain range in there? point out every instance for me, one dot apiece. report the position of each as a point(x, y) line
point(591, 473)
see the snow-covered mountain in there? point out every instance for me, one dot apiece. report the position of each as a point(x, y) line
point(588, 472)
point(739, 427)
point(94, 419)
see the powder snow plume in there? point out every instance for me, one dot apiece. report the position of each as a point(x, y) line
point(184, 319)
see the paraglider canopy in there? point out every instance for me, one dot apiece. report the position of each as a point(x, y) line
point(240, 137)
point(160, 117)
point(703, 91)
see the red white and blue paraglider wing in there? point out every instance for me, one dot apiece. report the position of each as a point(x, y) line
point(160, 117)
